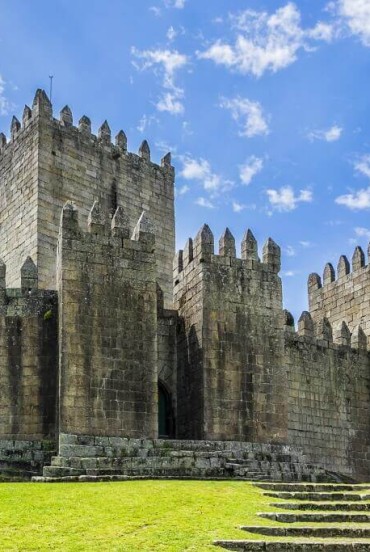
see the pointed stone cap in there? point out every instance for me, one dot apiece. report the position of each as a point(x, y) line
point(288, 319)
point(66, 117)
point(166, 160)
point(342, 335)
point(343, 266)
point(272, 255)
point(84, 125)
point(358, 258)
point(249, 246)
point(227, 244)
point(120, 224)
point(96, 219)
point(41, 104)
point(188, 254)
point(204, 243)
point(121, 140)
point(178, 263)
point(27, 115)
point(104, 133)
point(314, 281)
point(29, 276)
point(144, 150)
point(15, 127)
point(2, 140)
point(329, 274)
point(359, 339)
point(324, 330)
point(305, 325)
point(69, 219)
point(144, 230)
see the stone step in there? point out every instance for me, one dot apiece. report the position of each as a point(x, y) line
point(333, 497)
point(311, 487)
point(328, 506)
point(293, 546)
point(317, 518)
point(318, 532)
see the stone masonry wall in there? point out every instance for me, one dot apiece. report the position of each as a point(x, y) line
point(78, 166)
point(108, 327)
point(329, 396)
point(342, 296)
point(28, 359)
point(18, 195)
point(230, 355)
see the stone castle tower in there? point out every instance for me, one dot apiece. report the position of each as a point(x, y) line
point(119, 357)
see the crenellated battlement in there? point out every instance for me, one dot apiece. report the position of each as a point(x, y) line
point(42, 108)
point(321, 334)
point(114, 233)
point(202, 250)
point(342, 295)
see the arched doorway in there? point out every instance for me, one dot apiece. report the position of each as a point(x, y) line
point(165, 416)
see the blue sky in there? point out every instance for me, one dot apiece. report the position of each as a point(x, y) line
point(263, 103)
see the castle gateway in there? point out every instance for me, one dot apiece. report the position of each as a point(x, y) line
point(117, 360)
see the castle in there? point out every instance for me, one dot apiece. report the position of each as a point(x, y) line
point(120, 358)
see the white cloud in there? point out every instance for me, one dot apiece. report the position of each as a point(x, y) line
point(238, 207)
point(289, 273)
point(204, 202)
point(265, 41)
point(201, 170)
point(305, 243)
point(183, 190)
point(363, 165)
point(285, 199)
point(248, 115)
point(362, 232)
point(356, 15)
point(330, 135)
point(155, 10)
point(5, 105)
point(289, 251)
point(145, 122)
point(171, 102)
point(251, 167)
point(322, 31)
point(171, 34)
point(356, 200)
point(168, 62)
point(178, 4)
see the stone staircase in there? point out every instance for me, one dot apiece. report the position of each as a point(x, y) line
point(316, 518)
point(83, 458)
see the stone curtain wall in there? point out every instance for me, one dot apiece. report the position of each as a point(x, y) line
point(78, 166)
point(230, 354)
point(28, 359)
point(108, 327)
point(343, 295)
point(18, 194)
point(329, 396)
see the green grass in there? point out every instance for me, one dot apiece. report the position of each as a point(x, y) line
point(129, 516)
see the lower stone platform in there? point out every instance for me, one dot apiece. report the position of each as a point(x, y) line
point(88, 458)
point(22, 459)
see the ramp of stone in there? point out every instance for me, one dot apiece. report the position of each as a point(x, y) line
point(350, 529)
point(82, 457)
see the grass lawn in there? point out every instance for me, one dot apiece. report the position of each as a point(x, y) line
point(129, 516)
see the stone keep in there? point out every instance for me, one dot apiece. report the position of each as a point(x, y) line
point(108, 340)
